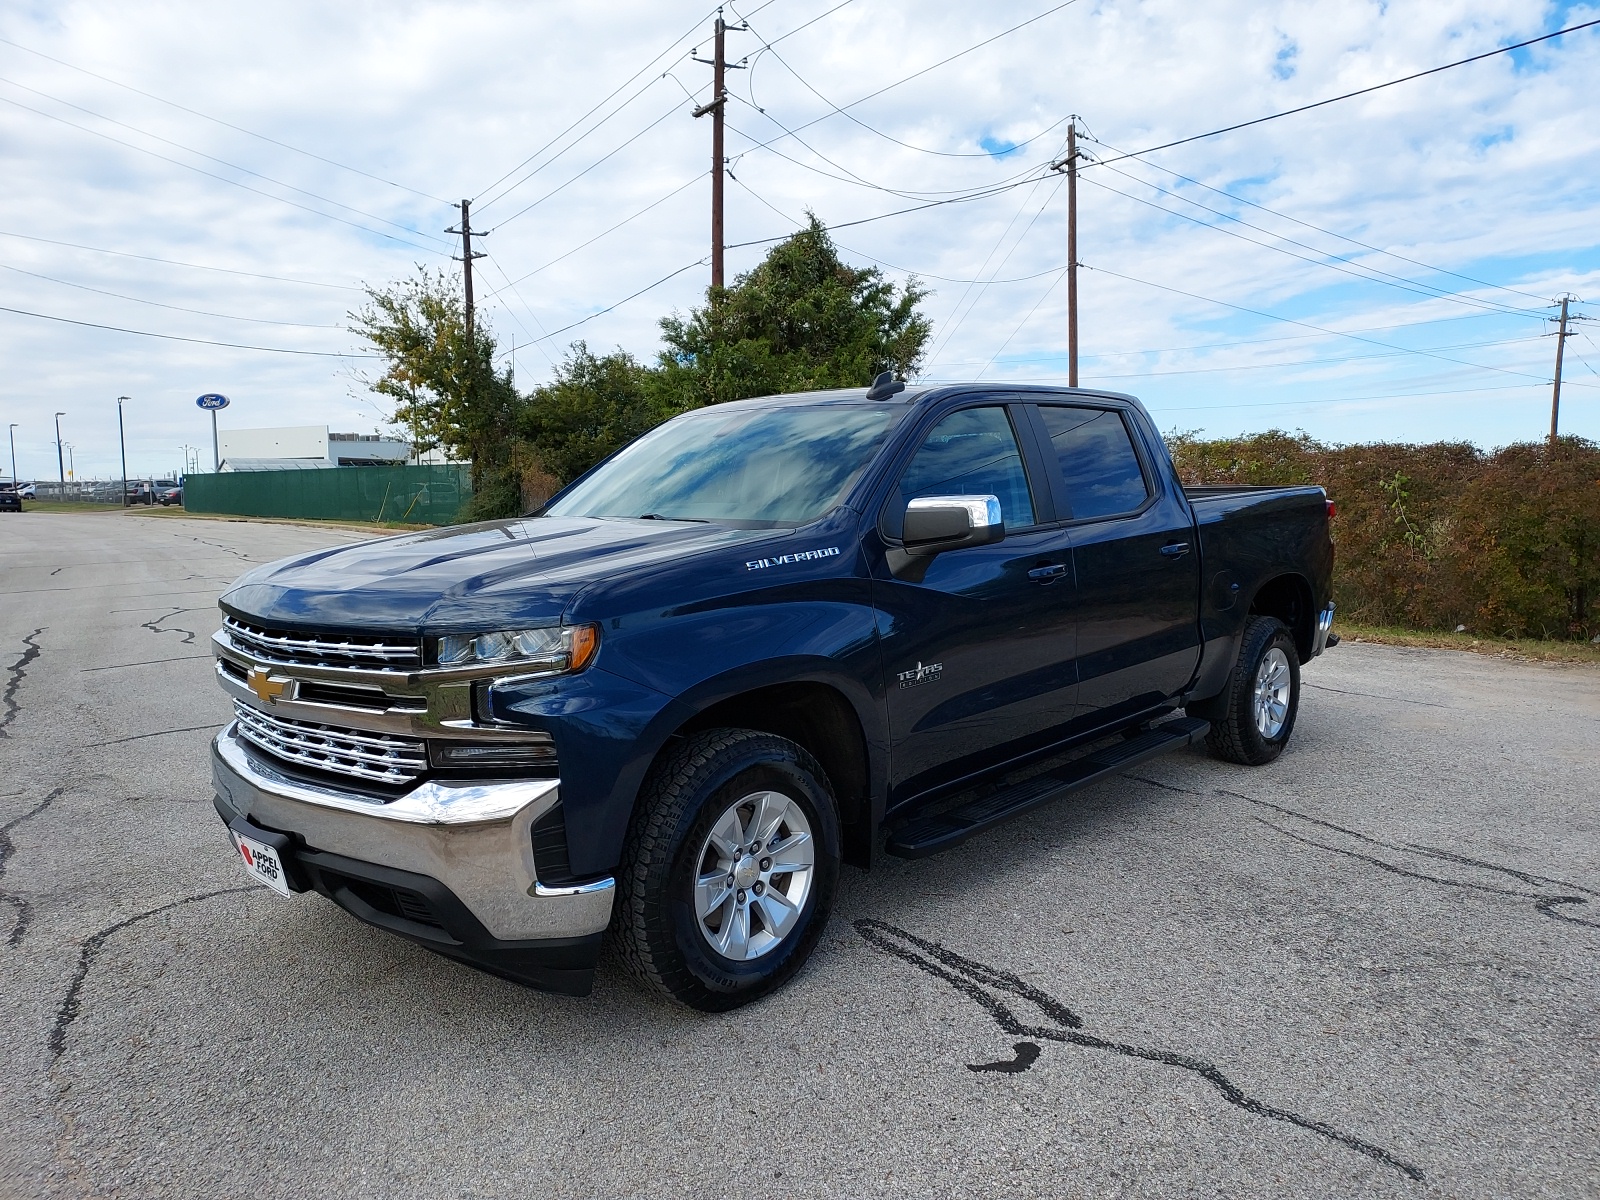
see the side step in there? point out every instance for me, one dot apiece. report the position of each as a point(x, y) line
point(922, 836)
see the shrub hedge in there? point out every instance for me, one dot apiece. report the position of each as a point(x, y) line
point(1441, 535)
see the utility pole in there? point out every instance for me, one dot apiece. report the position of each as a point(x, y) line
point(467, 256)
point(61, 465)
point(1555, 395)
point(716, 106)
point(1070, 165)
point(122, 444)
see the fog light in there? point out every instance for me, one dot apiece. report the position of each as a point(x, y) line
point(538, 751)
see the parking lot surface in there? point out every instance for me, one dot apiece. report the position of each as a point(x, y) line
point(1367, 969)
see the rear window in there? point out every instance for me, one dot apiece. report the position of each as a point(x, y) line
point(1095, 454)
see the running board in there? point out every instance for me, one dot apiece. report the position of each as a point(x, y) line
point(922, 836)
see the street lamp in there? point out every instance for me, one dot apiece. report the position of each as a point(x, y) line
point(61, 467)
point(123, 445)
point(14, 455)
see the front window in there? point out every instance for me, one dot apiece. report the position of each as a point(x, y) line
point(753, 467)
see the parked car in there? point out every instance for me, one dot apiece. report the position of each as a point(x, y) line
point(10, 498)
point(27, 491)
point(169, 494)
point(767, 639)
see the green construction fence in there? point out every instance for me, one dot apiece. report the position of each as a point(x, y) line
point(418, 495)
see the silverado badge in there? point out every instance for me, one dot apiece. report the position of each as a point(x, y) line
point(264, 686)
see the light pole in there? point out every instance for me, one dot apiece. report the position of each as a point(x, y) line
point(122, 444)
point(14, 482)
point(61, 467)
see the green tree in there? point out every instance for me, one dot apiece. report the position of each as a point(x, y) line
point(800, 320)
point(444, 385)
point(594, 405)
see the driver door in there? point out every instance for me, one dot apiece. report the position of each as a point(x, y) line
point(978, 643)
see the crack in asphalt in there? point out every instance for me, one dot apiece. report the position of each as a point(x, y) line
point(153, 625)
point(139, 737)
point(71, 1004)
point(149, 662)
point(16, 673)
point(1375, 696)
point(23, 909)
point(1547, 905)
point(970, 978)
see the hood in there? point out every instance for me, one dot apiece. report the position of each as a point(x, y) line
point(496, 575)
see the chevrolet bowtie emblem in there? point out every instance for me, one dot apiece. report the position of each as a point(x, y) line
point(264, 686)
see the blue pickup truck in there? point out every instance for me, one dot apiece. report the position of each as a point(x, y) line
point(765, 640)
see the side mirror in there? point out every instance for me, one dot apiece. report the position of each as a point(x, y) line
point(935, 524)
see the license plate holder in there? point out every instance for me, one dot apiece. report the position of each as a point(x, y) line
point(263, 863)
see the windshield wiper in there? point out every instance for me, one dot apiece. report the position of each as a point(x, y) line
point(659, 517)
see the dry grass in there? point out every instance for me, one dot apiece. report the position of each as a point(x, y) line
point(1527, 649)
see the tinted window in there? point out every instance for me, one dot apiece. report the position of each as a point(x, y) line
point(1097, 460)
point(972, 453)
point(748, 466)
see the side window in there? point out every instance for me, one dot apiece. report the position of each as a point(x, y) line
point(1097, 460)
point(972, 452)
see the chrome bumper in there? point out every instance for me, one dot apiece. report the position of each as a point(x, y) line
point(1319, 642)
point(474, 838)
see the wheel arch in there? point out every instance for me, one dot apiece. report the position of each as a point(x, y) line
point(1288, 597)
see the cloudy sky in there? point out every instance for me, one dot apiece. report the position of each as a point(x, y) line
point(229, 176)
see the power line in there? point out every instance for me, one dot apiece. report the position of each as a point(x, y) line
point(1289, 112)
point(172, 337)
point(218, 121)
point(220, 178)
point(1305, 324)
point(671, 46)
point(604, 232)
point(1318, 228)
point(1387, 280)
point(609, 154)
point(699, 262)
point(172, 262)
point(840, 109)
point(158, 304)
point(212, 157)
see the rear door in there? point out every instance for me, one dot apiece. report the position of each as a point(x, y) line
point(1136, 560)
point(977, 643)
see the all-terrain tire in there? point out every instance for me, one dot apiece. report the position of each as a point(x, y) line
point(1234, 735)
point(654, 926)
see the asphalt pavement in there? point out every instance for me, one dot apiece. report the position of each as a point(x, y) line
point(1368, 969)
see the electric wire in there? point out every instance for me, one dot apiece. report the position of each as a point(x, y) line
point(1417, 262)
point(218, 121)
point(213, 158)
point(221, 178)
point(172, 262)
point(1391, 281)
point(1289, 112)
point(1304, 324)
point(172, 337)
point(699, 262)
point(158, 304)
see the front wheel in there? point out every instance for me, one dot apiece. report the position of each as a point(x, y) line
point(1262, 697)
point(730, 869)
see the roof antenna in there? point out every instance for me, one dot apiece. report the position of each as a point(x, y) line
point(884, 386)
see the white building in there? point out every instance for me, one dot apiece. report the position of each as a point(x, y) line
point(311, 447)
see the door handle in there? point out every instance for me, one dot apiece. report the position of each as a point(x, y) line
point(1175, 549)
point(1048, 573)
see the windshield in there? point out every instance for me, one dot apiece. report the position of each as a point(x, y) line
point(747, 466)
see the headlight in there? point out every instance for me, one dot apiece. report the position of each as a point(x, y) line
point(554, 650)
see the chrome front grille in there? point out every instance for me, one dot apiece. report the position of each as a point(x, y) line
point(375, 756)
point(325, 649)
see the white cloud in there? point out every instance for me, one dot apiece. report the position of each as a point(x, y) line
point(1485, 170)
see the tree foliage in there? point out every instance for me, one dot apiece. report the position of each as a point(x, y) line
point(799, 321)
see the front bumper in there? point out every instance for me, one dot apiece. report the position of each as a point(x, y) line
point(465, 847)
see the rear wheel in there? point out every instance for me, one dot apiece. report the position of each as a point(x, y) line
point(1262, 698)
point(729, 873)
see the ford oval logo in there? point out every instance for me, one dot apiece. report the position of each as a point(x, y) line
point(212, 401)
